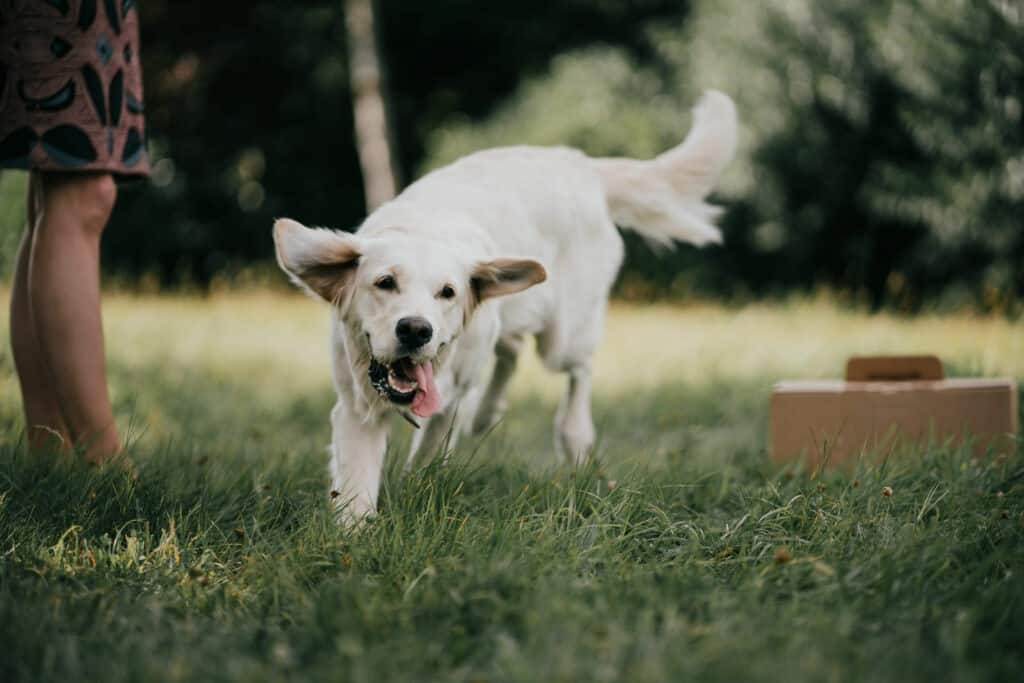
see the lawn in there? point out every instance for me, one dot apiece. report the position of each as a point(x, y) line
point(682, 553)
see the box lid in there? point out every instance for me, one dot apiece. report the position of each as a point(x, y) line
point(893, 368)
point(836, 386)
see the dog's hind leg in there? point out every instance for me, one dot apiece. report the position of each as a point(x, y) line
point(574, 425)
point(434, 438)
point(493, 404)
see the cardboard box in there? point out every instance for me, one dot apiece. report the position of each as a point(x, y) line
point(886, 402)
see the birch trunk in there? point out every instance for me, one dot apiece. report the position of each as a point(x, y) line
point(373, 134)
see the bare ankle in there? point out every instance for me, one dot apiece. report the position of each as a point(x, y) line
point(101, 447)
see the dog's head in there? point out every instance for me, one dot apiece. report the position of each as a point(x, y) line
point(404, 299)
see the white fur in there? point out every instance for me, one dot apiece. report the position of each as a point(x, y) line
point(550, 206)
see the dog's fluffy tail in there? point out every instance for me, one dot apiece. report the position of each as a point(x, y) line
point(663, 199)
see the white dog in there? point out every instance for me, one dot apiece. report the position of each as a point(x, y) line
point(468, 261)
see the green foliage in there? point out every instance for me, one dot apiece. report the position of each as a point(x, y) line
point(249, 113)
point(881, 151)
point(897, 166)
point(597, 99)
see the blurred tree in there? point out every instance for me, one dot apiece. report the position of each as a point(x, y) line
point(842, 109)
point(250, 117)
point(374, 138)
point(881, 155)
point(962, 69)
point(898, 170)
point(882, 150)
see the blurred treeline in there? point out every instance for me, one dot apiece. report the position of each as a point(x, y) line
point(882, 146)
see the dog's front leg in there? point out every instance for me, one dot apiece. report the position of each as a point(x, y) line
point(357, 458)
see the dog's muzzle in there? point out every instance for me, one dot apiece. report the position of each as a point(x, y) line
point(394, 381)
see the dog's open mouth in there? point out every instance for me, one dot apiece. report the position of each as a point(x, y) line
point(407, 383)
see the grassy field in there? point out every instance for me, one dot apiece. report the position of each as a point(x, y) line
point(682, 553)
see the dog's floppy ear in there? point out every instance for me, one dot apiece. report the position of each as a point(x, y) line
point(323, 262)
point(505, 276)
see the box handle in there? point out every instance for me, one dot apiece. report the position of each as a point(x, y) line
point(893, 369)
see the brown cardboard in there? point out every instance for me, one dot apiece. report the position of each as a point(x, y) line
point(837, 420)
point(893, 368)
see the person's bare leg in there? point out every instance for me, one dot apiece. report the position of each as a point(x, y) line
point(64, 294)
point(44, 423)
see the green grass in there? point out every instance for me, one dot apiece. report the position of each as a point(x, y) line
point(682, 553)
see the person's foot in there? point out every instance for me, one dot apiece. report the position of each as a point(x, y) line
point(43, 439)
point(102, 448)
point(121, 460)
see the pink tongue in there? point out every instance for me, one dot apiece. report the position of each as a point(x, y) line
point(427, 401)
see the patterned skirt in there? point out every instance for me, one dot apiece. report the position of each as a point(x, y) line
point(71, 86)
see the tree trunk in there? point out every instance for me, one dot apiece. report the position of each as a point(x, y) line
point(369, 102)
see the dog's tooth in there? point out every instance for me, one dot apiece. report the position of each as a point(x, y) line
point(399, 384)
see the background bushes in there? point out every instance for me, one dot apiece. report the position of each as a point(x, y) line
point(882, 150)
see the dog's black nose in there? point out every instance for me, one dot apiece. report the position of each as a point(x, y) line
point(413, 332)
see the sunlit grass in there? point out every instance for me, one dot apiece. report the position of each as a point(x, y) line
point(266, 352)
point(276, 344)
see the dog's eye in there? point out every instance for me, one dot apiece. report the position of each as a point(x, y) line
point(386, 282)
point(447, 292)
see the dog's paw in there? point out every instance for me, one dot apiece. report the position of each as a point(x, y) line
point(352, 513)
